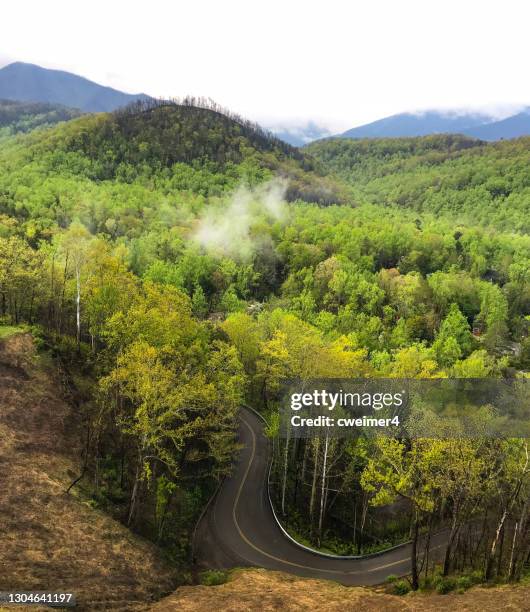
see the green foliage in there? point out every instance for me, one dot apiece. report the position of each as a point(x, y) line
point(213, 577)
point(401, 587)
point(18, 117)
point(455, 176)
point(454, 339)
point(425, 274)
point(199, 303)
point(176, 147)
point(446, 585)
point(9, 330)
point(464, 582)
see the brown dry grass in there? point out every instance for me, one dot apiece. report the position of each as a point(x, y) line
point(256, 589)
point(50, 540)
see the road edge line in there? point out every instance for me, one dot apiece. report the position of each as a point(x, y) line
point(299, 544)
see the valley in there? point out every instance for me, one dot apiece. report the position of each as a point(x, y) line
point(166, 264)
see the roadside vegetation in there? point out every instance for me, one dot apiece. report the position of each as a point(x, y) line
point(8, 330)
point(179, 261)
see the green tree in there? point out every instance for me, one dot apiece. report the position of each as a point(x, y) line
point(454, 339)
point(75, 245)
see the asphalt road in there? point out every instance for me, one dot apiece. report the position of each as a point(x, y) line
point(239, 528)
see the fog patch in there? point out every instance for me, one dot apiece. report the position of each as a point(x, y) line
point(233, 230)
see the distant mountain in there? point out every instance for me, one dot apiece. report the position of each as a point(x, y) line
point(300, 135)
point(511, 127)
point(30, 83)
point(419, 124)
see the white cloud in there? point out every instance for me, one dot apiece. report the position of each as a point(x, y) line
point(338, 63)
point(5, 59)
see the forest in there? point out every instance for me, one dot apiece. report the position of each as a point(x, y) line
point(18, 117)
point(179, 262)
point(454, 176)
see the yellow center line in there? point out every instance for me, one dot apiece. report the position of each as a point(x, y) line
point(278, 559)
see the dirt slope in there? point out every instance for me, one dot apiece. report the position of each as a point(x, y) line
point(50, 540)
point(263, 590)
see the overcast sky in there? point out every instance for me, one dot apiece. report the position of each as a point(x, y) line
point(338, 62)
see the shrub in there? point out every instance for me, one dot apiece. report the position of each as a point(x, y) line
point(446, 585)
point(464, 582)
point(391, 578)
point(477, 577)
point(401, 587)
point(38, 337)
point(428, 583)
point(213, 577)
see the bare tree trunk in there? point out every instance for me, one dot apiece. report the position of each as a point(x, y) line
point(285, 464)
point(414, 553)
point(514, 540)
point(355, 535)
point(85, 462)
point(449, 547)
point(323, 490)
point(304, 462)
point(316, 443)
point(428, 546)
point(364, 514)
point(134, 494)
point(78, 305)
point(51, 303)
point(493, 548)
point(61, 308)
point(518, 551)
point(501, 549)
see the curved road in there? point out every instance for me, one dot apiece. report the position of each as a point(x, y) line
point(239, 528)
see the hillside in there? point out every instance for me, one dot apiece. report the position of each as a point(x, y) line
point(473, 124)
point(31, 83)
point(512, 127)
point(418, 124)
point(466, 179)
point(52, 540)
point(155, 249)
point(161, 134)
point(269, 591)
point(18, 117)
point(159, 150)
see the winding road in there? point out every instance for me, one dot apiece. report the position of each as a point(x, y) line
point(239, 528)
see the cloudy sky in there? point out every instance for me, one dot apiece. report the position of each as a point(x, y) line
point(287, 61)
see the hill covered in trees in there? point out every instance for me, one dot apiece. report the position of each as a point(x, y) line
point(191, 145)
point(18, 117)
point(181, 260)
point(467, 180)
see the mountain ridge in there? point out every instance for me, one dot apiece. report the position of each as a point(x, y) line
point(474, 124)
point(30, 83)
point(156, 136)
point(26, 82)
point(514, 126)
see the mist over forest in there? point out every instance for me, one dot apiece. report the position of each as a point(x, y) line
point(177, 262)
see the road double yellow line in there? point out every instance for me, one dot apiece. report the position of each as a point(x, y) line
point(279, 559)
